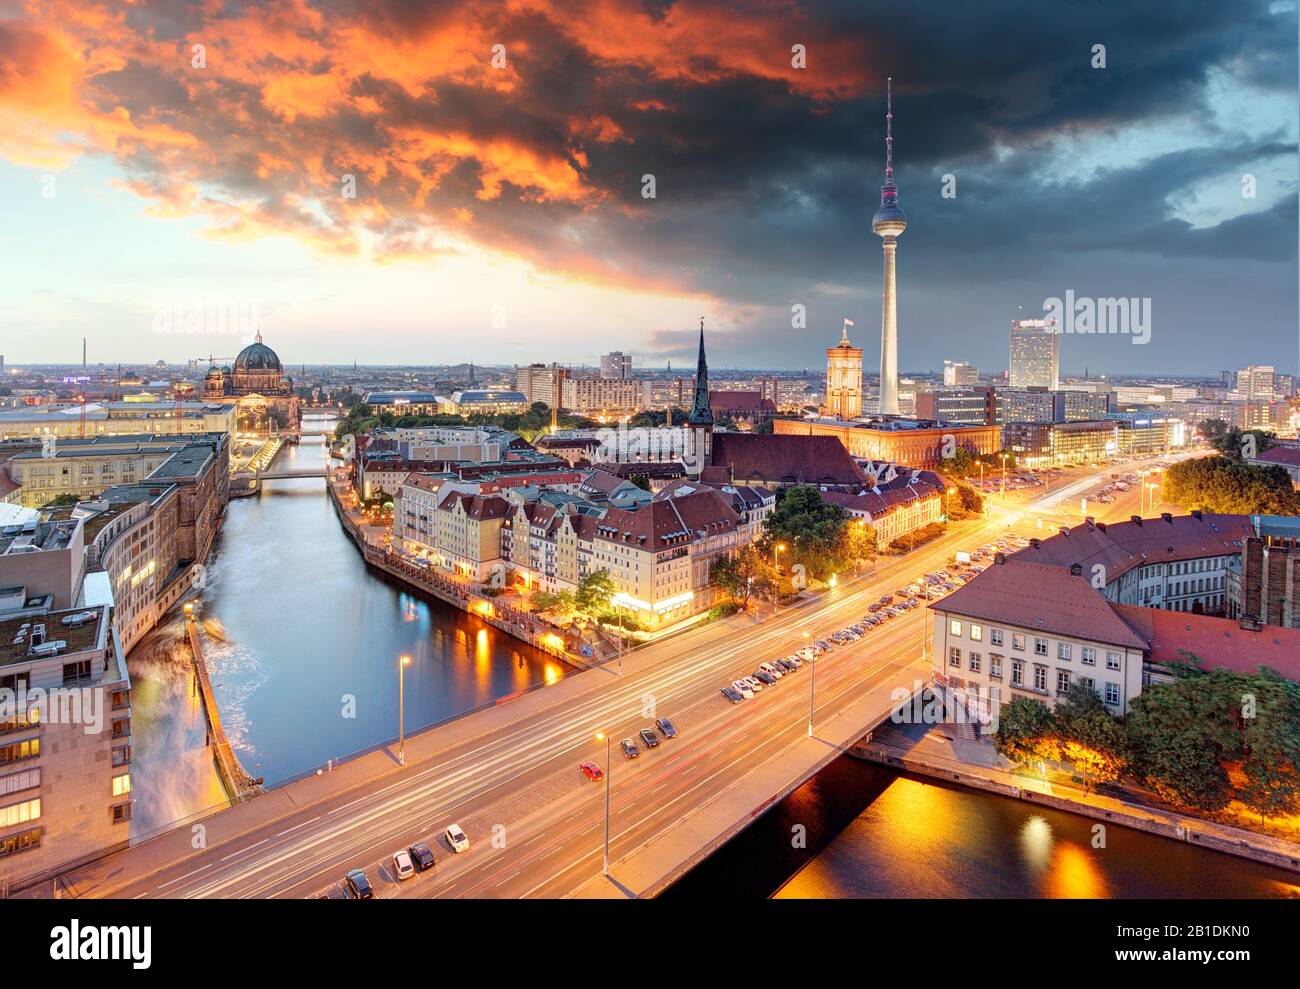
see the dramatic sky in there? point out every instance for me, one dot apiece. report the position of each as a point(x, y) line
point(499, 214)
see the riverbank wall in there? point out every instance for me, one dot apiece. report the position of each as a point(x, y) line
point(1167, 824)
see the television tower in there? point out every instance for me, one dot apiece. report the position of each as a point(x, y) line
point(888, 223)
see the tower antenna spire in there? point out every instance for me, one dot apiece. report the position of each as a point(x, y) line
point(889, 131)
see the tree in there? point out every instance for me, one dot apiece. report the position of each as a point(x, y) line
point(1236, 443)
point(859, 541)
point(810, 528)
point(595, 591)
point(560, 604)
point(61, 501)
point(743, 573)
point(642, 481)
point(1211, 430)
point(962, 463)
point(1223, 484)
point(1026, 732)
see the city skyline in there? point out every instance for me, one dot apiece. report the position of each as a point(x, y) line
point(519, 185)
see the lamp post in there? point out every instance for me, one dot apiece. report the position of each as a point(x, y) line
point(947, 492)
point(776, 563)
point(403, 663)
point(609, 769)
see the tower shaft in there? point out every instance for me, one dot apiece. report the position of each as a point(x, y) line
point(889, 334)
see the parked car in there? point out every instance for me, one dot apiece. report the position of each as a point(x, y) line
point(732, 694)
point(630, 751)
point(785, 666)
point(770, 670)
point(794, 661)
point(592, 771)
point(764, 677)
point(649, 737)
point(421, 856)
point(456, 838)
point(403, 865)
point(742, 688)
point(666, 728)
point(755, 685)
point(359, 886)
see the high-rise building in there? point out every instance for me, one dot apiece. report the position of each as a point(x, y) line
point(888, 223)
point(542, 383)
point(1035, 354)
point(972, 406)
point(843, 379)
point(959, 374)
point(1257, 382)
point(616, 366)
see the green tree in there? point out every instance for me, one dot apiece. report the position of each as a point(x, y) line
point(811, 529)
point(1223, 484)
point(642, 481)
point(743, 573)
point(1026, 732)
point(559, 603)
point(595, 590)
point(962, 463)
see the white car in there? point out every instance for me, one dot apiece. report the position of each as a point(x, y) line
point(456, 839)
point(743, 689)
point(755, 684)
point(806, 653)
point(770, 670)
point(403, 865)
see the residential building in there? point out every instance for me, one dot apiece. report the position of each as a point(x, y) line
point(605, 396)
point(117, 419)
point(1263, 583)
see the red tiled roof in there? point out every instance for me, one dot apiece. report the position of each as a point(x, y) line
point(1220, 642)
point(1288, 456)
point(1039, 596)
point(476, 506)
point(876, 503)
point(1121, 546)
point(674, 521)
point(786, 459)
point(7, 484)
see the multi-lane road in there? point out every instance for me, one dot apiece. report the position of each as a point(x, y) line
point(536, 825)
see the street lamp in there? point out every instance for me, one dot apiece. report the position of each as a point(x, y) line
point(1004, 477)
point(403, 663)
point(949, 491)
point(776, 563)
point(609, 769)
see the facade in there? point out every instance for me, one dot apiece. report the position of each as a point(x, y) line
point(542, 383)
point(843, 379)
point(893, 512)
point(1145, 432)
point(750, 408)
point(1029, 405)
point(1263, 583)
point(259, 387)
point(959, 374)
point(1258, 382)
point(484, 402)
point(65, 740)
point(914, 442)
point(1035, 354)
point(403, 403)
point(964, 406)
point(607, 396)
point(1060, 443)
point(117, 419)
point(469, 534)
point(616, 366)
point(45, 556)
point(573, 447)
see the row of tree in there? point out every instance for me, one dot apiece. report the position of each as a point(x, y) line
point(1198, 742)
point(362, 417)
point(1230, 485)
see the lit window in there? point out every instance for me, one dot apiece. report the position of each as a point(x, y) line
point(976, 632)
point(954, 627)
point(121, 784)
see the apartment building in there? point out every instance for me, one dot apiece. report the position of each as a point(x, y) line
point(117, 419)
point(605, 396)
point(469, 534)
point(65, 738)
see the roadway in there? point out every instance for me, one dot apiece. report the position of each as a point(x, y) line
point(535, 823)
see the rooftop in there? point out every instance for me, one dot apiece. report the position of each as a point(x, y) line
point(79, 636)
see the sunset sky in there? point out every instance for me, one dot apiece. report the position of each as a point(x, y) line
point(499, 215)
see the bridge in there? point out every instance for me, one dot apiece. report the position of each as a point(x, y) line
point(283, 473)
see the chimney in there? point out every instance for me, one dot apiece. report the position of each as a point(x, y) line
point(1135, 519)
point(1065, 530)
point(1101, 526)
point(999, 558)
point(1076, 569)
point(1196, 514)
point(1167, 517)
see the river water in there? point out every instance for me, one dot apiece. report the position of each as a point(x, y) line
point(308, 672)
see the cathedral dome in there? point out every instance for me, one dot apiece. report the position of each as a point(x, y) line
point(257, 356)
point(212, 373)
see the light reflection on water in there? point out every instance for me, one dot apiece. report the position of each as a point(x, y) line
point(305, 661)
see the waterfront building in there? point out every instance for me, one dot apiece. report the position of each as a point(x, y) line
point(261, 390)
point(469, 534)
point(117, 419)
point(1035, 354)
point(403, 403)
point(65, 738)
point(914, 442)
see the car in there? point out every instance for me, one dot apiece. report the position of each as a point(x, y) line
point(403, 865)
point(592, 771)
point(649, 737)
point(732, 695)
point(666, 728)
point(793, 661)
point(421, 856)
point(770, 670)
point(807, 653)
point(785, 666)
point(764, 677)
point(359, 886)
point(754, 685)
point(456, 838)
point(822, 645)
point(630, 751)
point(742, 688)
point(874, 606)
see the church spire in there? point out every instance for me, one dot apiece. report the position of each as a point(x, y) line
point(701, 411)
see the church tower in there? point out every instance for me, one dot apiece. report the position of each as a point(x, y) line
point(700, 421)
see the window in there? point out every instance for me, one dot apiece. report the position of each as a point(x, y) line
point(1040, 646)
point(1089, 656)
point(28, 810)
point(1112, 693)
point(1040, 677)
point(20, 842)
point(1112, 660)
point(1018, 672)
point(72, 672)
point(1063, 651)
point(121, 756)
point(954, 657)
point(954, 627)
point(121, 784)
point(995, 665)
point(121, 812)
point(1089, 682)
point(973, 661)
point(25, 780)
point(1018, 641)
point(121, 727)
point(1062, 682)
point(16, 751)
point(995, 636)
point(976, 632)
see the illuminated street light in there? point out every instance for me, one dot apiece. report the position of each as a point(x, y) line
point(403, 663)
point(776, 563)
